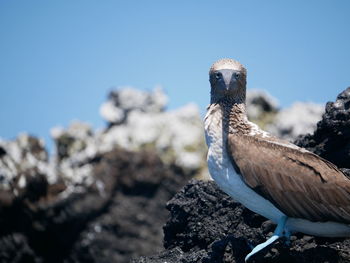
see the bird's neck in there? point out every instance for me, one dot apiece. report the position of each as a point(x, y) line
point(235, 118)
point(231, 118)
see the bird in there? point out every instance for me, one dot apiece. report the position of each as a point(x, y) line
point(293, 187)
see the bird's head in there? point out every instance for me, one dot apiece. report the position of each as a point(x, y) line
point(228, 81)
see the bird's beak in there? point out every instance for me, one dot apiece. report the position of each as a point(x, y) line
point(228, 77)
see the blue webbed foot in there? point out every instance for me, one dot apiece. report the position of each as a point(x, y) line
point(279, 232)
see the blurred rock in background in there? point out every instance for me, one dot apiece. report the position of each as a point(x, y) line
point(262, 108)
point(121, 101)
point(140, 122)
point(298, 119)
point(101, 196)
point(287, 123)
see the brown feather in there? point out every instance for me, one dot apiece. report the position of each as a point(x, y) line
point(300, 183)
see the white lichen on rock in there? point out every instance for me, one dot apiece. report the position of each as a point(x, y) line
point(124, 100)
point(287, 123)
point(176, 135)
point(300, 118)
point(22, 157)
point(137, 120)
point(259, 102)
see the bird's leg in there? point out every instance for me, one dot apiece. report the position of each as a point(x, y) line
point(287, 235)
point(277, 234)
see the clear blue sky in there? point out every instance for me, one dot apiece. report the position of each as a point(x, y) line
point(58, 59)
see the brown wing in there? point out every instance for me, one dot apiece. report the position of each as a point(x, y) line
point(301, 184)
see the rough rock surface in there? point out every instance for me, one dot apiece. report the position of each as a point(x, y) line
point(331, 140)
point(206, 225)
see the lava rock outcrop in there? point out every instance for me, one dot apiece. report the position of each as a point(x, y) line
point(206, 225)
point(331, 139)
point(116, 217)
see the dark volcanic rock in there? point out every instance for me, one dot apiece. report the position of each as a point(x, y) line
point(206, 225)
point(132, 223)
point(119, 216)
point(15, 248)
point(331, 140)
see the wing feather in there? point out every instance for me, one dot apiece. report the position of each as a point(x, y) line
point(300, 183)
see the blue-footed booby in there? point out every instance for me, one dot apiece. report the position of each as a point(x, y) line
point(289, 185)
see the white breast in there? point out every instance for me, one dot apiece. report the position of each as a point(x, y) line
point(222, 171)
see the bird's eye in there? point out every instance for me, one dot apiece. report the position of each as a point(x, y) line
point(218, 75)
point(237, 75)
